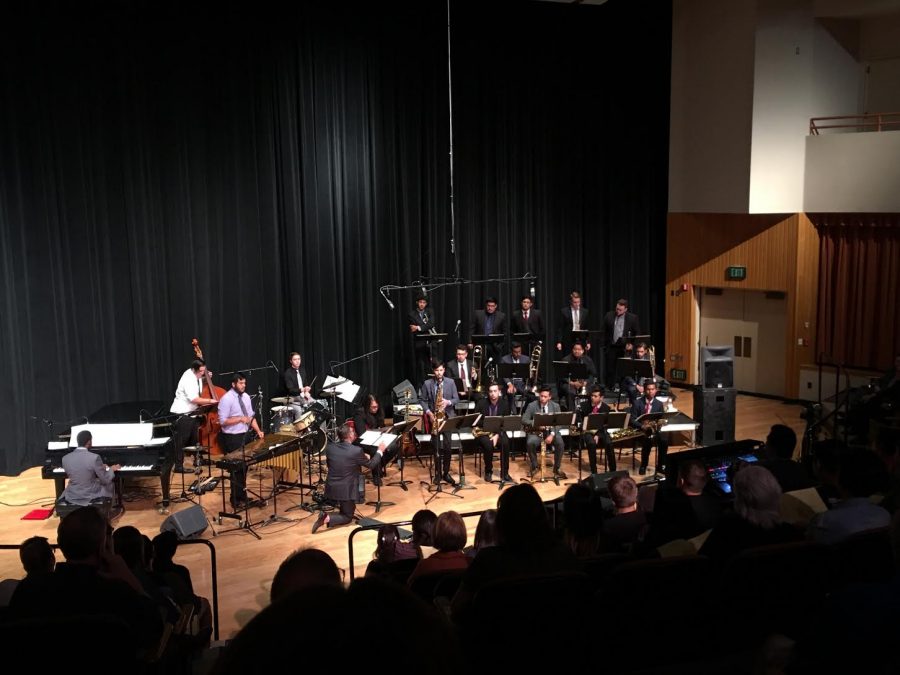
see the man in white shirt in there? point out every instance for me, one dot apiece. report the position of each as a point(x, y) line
point(188, 398)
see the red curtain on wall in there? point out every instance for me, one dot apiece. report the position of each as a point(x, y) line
point(859, 289)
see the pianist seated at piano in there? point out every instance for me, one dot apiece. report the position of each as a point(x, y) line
point(239, 427)
point(89, 477)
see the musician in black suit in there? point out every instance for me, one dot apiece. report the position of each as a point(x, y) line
point(648, 403)
point(513, 386)
point(342, 485)
point(488, 321)
point(370, 416)
point(297, 383)
point(494, 406)
point(462, 370)
point(572, 317)
point(420, 320)
point(618, 324)
point(594, 406)
point(571, 388)
point(528, 319)
point(449, 399)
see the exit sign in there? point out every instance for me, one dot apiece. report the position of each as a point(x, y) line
point(678, 374)
point(735, 273)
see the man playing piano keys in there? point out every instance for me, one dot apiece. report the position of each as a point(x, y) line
point(89, 477)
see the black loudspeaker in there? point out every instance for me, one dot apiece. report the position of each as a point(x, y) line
point(597, 481)
point(714, 410)
point(189, 523)
point(717, 366)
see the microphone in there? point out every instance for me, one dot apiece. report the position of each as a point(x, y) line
point(274, 367)
point(387, 299)
point(456, 328)
point(424, 292)
point(531, 290)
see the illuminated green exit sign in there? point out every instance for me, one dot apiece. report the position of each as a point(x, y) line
point(735, 273)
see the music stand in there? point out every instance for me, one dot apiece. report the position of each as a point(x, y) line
point(457, 423)
point(543, 421)
point(500, 425)
point(401, 428)
point(436, 441)
point(382, 437)
point(489, 342)
point(636, 369)
point(428, 339)
point(635, 339)
point(526, 338)
point(583, 336)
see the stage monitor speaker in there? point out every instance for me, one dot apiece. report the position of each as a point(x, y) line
point(717, 366)
point(598, 481)
point(187, 524)
point(405, 386)
point(714, 410)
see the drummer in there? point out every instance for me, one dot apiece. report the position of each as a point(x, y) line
point(297, 384)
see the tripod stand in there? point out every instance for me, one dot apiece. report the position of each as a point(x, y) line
point(402, 428)
point(274, 517)
point(197, 471)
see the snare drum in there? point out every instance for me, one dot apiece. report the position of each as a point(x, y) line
point(282, 418)
point(304, 422)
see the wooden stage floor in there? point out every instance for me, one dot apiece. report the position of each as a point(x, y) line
point(246, 565)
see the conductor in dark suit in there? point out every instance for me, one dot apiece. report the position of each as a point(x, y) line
point(89, 477)
point(618, 324)
point(420, 321)
point(572, 317)
point(488, 321)
point(342, 485)
point(528, 320)
point(648, 403)
point(492, 406)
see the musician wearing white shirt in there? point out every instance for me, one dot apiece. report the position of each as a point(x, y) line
point(297, 384)
point(188, 398)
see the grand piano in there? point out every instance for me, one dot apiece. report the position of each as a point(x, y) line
point(138, 446)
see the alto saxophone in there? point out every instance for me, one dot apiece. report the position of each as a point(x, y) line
point(439, 413)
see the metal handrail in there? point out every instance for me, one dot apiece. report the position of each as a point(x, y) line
point(864, 122)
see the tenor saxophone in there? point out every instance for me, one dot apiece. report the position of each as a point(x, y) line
point(439, 413)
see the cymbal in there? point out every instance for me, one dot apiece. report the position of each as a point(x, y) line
point(283, 400)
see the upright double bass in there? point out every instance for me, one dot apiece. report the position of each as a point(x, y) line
point(209, 430)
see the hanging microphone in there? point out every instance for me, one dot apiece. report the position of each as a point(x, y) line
point(387, 299)
point(531, 290)
point(456, 328)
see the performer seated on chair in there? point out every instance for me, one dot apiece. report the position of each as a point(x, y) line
point(492, 406)
point(551, 435)
point(370, 416)
point(516, 385)
point(591, 440)
point(89, 477)
point(634, 389)
point(572, 388)
point(449, 399)
point(239, 427)
point(648, 403)
point(296, 384)
point(464, 375)
point(342, 485)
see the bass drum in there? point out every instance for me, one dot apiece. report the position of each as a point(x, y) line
point(314, 443)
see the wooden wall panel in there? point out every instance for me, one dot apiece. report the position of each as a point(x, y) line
point(780, 253)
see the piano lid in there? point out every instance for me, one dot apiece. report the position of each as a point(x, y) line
point(122, 434)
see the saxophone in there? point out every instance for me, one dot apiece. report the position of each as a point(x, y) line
point(439, 413)
point(534, 367)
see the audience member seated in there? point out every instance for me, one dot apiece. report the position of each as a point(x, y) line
point(825, 460)
point(584, 517)
point(628, 525)
point(390, 549)
point(92, 581)
point(685, 510)
point(779, 459)
point(527, 546)
point(317, 625)
point(485, 533)
point(423, 531)
point(449, 540)
point(887, 447)
point(860, 475)
point(177, 579)
point(305, 568)
point(756, 520)
point(128, 543)
point(37, 559)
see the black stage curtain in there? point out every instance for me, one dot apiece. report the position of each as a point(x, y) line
point(251, 174)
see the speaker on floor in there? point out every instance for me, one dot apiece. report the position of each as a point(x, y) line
point(598, 481)
point(714, 410)
point(187, 524)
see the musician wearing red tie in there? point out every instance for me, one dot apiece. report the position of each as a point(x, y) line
point(591, 440)
point(648, 403)
point(528, 319)
point(463, 372)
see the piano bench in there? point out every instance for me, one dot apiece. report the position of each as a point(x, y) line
point(102, 504)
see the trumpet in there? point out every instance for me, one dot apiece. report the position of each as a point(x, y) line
point(534, 366)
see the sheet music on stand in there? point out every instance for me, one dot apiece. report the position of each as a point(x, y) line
point(344, 388)
point(375, 437)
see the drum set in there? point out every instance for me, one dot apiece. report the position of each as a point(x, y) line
point(298, 419)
